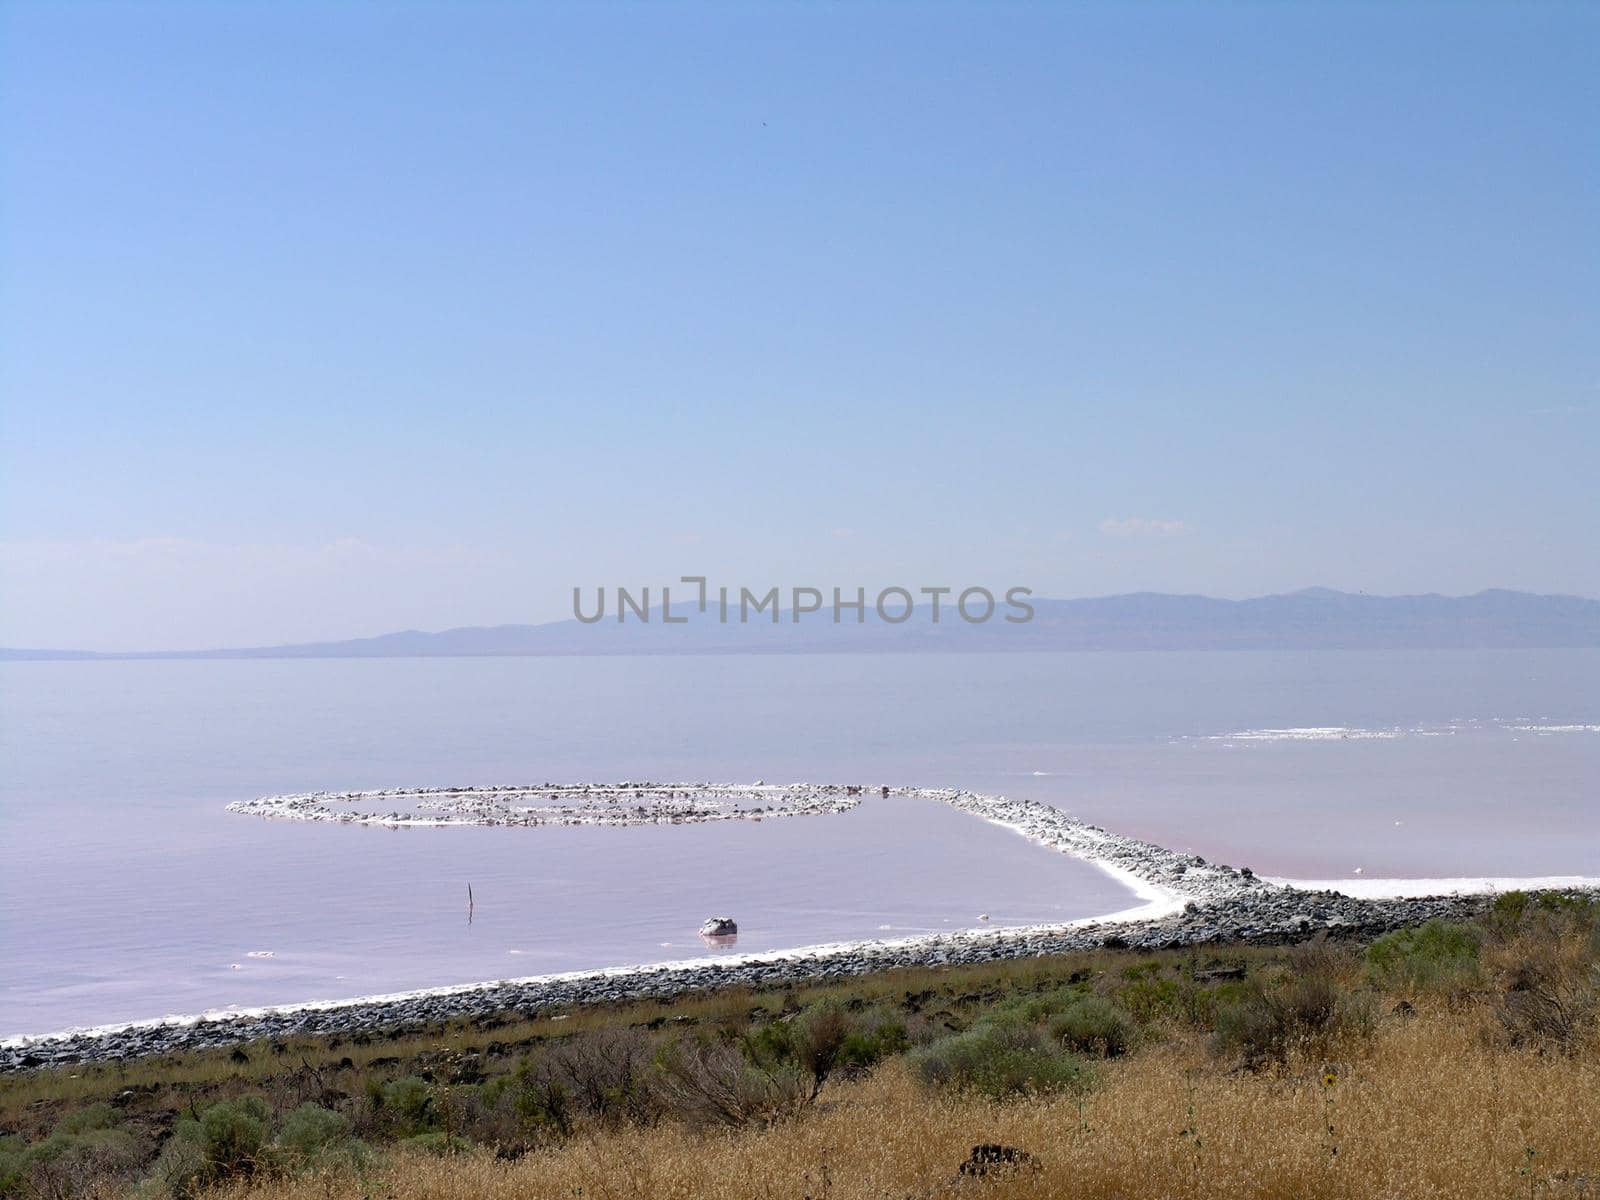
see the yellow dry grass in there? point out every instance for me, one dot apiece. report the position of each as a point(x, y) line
point(1423, 1109)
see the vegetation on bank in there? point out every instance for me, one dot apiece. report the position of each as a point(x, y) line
point(1458, 1060)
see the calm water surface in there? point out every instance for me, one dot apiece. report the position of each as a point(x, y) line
point(126, 892)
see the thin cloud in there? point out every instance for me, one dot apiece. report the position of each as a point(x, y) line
point(1142, 527)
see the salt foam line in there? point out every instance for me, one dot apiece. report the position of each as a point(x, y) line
point(1413, 889)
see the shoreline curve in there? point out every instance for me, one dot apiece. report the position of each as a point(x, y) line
point(1186, 901)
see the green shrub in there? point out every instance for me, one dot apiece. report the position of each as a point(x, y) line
point(71, 1161)
point(311, 1134)
point(819, 1037)
point(826, 1038)
point(1031, 1010)
point(436, 1142)
point(543, 1103)
point(87, 1120)
point(1436, 957)
point(1303, 1013)
point(868, 1047)
point(604, 1077)
point(1505, 915)
point(229, 1140)
point(233, 1134)
point(1093, 1025)
point(1544, 960)
point(999, 1060)
point(179, 1170)
point(1513, 913)
point(409, 1105)
point(1198, 1003)
point(710, 1081)
point(1149, 998)
point(12, 1164)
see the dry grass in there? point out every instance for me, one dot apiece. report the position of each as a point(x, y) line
point(1433, 1088)
point(1427, 1107)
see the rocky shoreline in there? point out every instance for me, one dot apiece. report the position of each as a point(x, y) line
point(1189, 902)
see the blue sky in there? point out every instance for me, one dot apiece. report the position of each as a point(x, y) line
point(320, 320)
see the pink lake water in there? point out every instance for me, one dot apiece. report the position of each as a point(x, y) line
point(126, 892)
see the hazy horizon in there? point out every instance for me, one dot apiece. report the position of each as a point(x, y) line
point(1335, 620)
point(359, 631)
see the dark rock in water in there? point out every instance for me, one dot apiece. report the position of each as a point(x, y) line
point(719, 927)
point(991, 1158)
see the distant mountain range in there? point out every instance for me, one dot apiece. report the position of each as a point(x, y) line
point(1313, 619)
